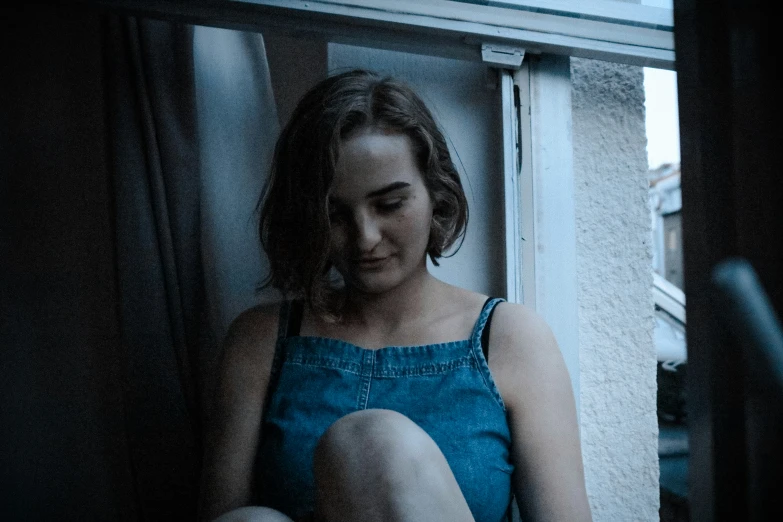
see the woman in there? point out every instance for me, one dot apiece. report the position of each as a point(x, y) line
point(380, 392)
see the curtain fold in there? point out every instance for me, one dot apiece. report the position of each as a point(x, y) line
point(155, 169)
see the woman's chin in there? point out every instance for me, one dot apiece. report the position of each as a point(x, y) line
point(371, 283)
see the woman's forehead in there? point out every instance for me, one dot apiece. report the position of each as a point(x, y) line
point(369, 143)
point(371, 159)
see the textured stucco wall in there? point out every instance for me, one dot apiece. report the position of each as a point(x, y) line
point(614, 258)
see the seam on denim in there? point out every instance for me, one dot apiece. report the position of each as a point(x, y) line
point(509, 470)
point(482, 319)
point(366, 374)
point(483, 370)
point(482, 366)
point(369, 382)
point(321, 362)
point(424, 369)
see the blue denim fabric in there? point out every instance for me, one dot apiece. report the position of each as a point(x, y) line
point(444, 388)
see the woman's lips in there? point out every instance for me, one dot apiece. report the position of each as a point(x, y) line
point(371, 262)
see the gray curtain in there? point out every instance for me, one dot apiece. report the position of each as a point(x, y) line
point(155, 172)
point(238, 126)
point(120, 261)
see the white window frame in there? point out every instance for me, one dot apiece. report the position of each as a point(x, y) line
point(598, 29)
point(539, 198)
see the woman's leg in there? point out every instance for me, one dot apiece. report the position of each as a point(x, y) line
point(253, 514)
point(378, 465)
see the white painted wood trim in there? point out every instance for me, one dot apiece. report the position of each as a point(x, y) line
point(511, 186)
point(554, 213)
point(526, 261)
point(437, 27)
point(606, 10)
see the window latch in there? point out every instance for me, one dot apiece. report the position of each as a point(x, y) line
point(503, 56)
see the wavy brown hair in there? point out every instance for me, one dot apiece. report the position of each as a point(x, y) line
point(294, 225)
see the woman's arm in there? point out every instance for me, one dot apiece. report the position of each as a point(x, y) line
point(232, 438)
point(533, 380)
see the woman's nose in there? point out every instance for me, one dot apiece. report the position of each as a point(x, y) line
point(368, 233)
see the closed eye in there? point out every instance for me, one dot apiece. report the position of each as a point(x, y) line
point(386, 207)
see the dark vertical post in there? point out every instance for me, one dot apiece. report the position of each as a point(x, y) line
point(732, 186)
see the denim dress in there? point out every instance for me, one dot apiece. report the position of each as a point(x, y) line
point(444, 388)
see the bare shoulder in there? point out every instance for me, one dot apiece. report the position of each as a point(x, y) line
point(254, 324)
point(521, 329)
point(251, 337)
point(524, 356)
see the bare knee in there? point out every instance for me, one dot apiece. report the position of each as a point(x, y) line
point(253, 514)
point(369, 454)
point(373, 436)
point(380, 465)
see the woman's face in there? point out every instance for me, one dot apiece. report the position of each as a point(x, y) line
point(380, 211)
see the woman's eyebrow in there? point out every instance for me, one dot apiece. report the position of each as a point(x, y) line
point(388, 188)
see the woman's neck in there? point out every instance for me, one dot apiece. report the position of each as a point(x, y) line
point(387, 311)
